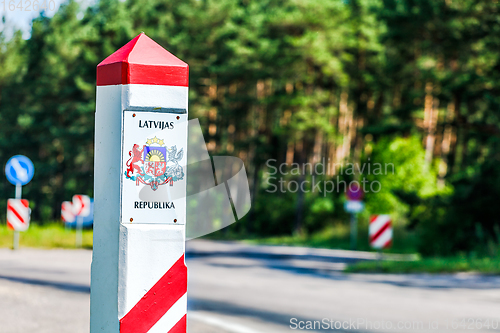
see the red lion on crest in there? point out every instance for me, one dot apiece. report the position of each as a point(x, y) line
point(135, 156)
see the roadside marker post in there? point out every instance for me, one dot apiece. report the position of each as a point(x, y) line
point(19, 171)
point(380, 234)
point(380, 231)
point(81, 209)
point(67, 214)
point(354, 205)
point(139, 277)
point(18, 217)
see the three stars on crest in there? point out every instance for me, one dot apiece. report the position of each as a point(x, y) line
point(155, 140)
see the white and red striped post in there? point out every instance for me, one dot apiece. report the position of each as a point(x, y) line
point(67, 214)
point(380, 231)
point(81, 208)
point(18, 215)
point(139, 278)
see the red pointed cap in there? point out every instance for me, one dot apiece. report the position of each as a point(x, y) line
point(142, 61)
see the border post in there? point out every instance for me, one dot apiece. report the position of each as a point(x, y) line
point(139, 277)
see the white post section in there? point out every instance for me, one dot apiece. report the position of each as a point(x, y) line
point(139, 278)
point(79, 231)
point(19, 191)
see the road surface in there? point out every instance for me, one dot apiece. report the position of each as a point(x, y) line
point(236, 288)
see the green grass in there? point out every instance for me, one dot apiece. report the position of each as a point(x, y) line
point(430, 265)
point(48, 236)
point(338, 237)
point(54, 235)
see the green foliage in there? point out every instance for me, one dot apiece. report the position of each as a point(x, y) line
point(335, 235)
point(319, 214)
point(400, 168)
point(430, 265)
point(273, 214)
point(468, 219)
point(50, 235)
point(293, 80)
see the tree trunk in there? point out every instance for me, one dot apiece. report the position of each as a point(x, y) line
point(446, 143)
point(343, 126)
point(318, 145)
point(430, 121)
point(300, 193)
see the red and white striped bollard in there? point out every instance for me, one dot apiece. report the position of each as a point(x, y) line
point(139, 278)
point(67, 214)
point(18, 214)
point(380, 231)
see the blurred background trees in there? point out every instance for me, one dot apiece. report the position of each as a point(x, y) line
point(415, 83)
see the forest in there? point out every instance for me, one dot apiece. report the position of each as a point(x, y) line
point(411, 83)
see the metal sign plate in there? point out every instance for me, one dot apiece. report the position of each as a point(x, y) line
point(352, 206)
point(154, 167)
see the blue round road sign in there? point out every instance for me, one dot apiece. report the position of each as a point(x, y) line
point(19, 170)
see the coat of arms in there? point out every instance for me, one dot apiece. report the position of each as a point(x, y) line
point(154, 164)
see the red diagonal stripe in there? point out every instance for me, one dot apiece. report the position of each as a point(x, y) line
point(157, 301)
point(16, 213)
point(380, 231)
point(180, 327)
point(388, 244)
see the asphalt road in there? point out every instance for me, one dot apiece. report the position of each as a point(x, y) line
point(235, 288)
